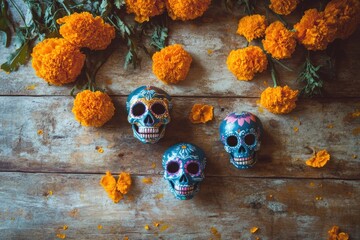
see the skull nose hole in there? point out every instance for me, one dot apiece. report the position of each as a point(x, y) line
point(183, 179)
point(242, 149)
point(149, 120)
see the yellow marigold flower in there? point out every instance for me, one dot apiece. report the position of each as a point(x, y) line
point(279, 100)
point(57, 61)
point(252, 27)
point(343, 15)
point(335, 235)
point(93, 108)
point(83, 30)
point(201, 113)
point(245, 62)
point(283, 7)
point(279, 41)
point(186, 9)
point(145, 9)
point(124, 183)
point(171, 64)
point(108, 182)
point(319, 159)
point(313, 31)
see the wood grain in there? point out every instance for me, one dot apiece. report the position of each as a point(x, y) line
point(66, 146)
point(208, 76)
point(281, 208)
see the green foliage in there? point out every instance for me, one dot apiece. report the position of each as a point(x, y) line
point(159, 36)
point(310, 76)
point(5, 24)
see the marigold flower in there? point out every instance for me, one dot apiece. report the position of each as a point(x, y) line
point(201, 113)
point(283, 7)
point(83, 30)
point(145, 9)
point(57, 61)
point(186, 9)
point(279, 100)
point(343, 15)
point(124, 183)
point(319, 159)
point(93, 108)
point(313, 31)
point(279, 41)
point(108, 182)
point(245, 62)
point(252, 27)
point(171, 64)
point(335, 235)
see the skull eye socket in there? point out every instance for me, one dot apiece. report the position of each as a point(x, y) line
point(172, 167)
point(193, 168)
point(138, 109)
point(158, 108)
point(232, 141)
point(249, 139)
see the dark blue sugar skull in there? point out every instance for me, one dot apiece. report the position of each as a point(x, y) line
point(184, 165)
point(148, 110)
point(241, 136)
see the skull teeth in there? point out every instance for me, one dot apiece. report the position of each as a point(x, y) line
point(148, 130)
point(149, 135)
point(244, 161)
point(184, 190)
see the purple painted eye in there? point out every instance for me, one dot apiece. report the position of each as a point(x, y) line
point(172, 167)
point(249, 139)
point(138, 109)
point(192, 168)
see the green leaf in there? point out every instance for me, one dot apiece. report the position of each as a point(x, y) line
point(5, 24)
point(159, 36)
point(19, 57)
point(119, 3)
point(105, 8)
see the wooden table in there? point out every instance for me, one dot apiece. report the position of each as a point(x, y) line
point(51, 179)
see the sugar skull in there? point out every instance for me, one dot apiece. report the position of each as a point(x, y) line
point(148, 112)
point(241, 136)
point(184, 165)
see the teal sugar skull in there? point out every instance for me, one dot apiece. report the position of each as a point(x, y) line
point(148, 110)
point(241, 136)
point(184, 165)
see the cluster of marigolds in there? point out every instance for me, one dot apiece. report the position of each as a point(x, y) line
point(60, 60)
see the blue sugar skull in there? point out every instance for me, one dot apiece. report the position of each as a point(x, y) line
point(148, 110)
point(184, 165)
point(241, 136)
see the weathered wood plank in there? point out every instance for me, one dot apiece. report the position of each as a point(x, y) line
point(65, 146)
point(209, 40)
point(282, 209)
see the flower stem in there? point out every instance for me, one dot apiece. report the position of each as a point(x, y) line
point(272, 70)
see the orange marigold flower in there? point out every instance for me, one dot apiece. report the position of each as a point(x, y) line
point(335, 235)
point(201, 113)
point(171, 64)
point(313, 31)
point(83, 30)
point(245, 62)
point(279, 41)
point(279, 100)
point(343, 15)
point(319, 159)
point(186, 9)
point(124, 183)
point(145, 9)
point(93, 108)
point(252, 27)
point(57, 61)
point(108, 182)
point(283, 7)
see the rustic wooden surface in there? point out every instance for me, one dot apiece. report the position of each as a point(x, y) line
point(282, 196)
